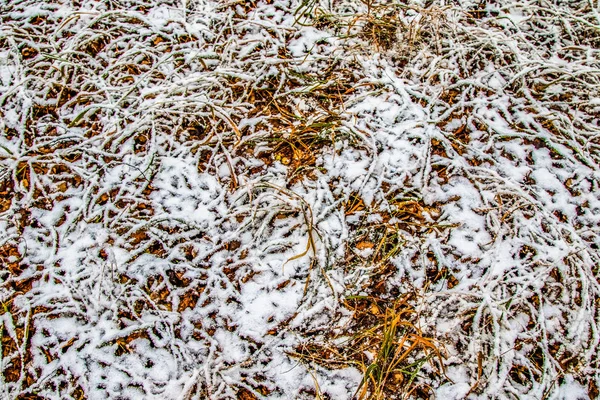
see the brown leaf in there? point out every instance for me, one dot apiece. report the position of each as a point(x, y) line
point(245, 394)
point(362, 245)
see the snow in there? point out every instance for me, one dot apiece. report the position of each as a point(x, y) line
point(159, 248)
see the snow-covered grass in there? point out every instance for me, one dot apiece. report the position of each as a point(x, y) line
point(299, 199)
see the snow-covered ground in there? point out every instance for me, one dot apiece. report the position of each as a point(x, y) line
point(259, 199)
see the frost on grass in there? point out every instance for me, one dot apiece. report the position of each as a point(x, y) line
point(283, 199)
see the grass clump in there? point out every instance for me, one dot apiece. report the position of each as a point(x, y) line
point(382, 341)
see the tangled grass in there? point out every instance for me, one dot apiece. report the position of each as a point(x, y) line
point(299, 199)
